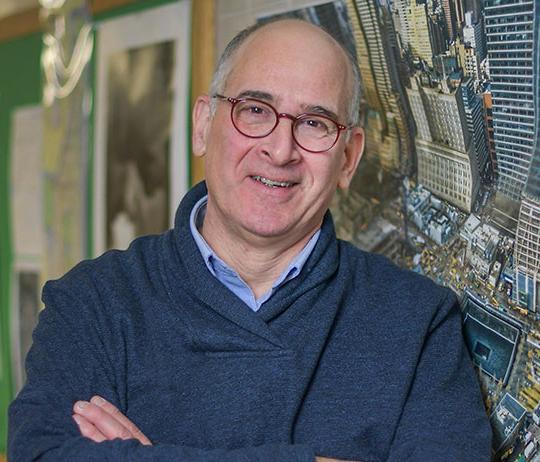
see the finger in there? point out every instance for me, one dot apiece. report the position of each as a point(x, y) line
point(112, 410)
point(88, 430)
point(104, 422)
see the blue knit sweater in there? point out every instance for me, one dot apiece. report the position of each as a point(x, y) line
point(354, 359)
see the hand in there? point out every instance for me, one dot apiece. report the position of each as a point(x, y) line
point(100, 421)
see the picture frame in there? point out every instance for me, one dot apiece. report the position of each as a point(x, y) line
point(141, 144)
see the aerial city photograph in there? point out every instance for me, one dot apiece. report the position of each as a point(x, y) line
point(449, 185)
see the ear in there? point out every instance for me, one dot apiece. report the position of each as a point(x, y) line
point(201, 118)
point(353, 153)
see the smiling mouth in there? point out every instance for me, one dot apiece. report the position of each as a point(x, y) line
point(272, 183)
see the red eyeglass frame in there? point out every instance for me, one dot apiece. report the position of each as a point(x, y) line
point(280, 115)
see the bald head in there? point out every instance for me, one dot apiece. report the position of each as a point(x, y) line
point(289, 35)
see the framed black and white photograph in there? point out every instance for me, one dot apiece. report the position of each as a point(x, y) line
point(138, 142)
point(142, 158)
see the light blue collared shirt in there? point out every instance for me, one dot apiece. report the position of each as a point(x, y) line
point(230, 278)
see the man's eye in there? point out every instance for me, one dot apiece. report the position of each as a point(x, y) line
point(314, 124)
point(253, 110)
point(256, 109)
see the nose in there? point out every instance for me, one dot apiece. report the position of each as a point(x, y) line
point(280, 145)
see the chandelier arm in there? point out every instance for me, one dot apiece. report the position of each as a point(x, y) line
point(61, 80)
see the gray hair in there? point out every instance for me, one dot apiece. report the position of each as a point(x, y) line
point(224, 67)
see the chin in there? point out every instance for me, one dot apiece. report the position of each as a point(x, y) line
point(267, 231)
point(268, 227)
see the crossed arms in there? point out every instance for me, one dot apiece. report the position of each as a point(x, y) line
point(101, 421)
point(79, 351)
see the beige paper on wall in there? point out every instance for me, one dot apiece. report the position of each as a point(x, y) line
point(28, 232)
point(26, 183)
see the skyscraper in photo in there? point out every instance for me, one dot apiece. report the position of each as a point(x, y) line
point(454, 16)
point(527, 248)
point(388, 119)
point(448, 164)
point(414, 28)
point(511, 43)
point(488, 123)
point(474, 115)
point(450, 16)
point(473, 35)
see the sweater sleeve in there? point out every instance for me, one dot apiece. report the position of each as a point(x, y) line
point(444, 417)
point(70, 360)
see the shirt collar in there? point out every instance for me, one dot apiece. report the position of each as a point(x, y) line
point(196, 220)
point(218, 267)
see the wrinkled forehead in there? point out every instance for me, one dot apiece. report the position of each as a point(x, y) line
point(293, 55)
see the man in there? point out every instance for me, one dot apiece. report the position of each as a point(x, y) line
point(248, 332)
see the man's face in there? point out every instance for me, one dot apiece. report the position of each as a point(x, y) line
point(296, 69)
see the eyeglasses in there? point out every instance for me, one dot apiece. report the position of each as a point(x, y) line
point(256, 119)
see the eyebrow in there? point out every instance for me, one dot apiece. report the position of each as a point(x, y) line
point(306, 108)
point(257, 94)
point(320, 110)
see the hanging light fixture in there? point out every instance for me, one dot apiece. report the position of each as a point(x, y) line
point(52, 4)
point(62, 73)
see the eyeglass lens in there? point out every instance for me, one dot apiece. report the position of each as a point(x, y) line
point(257, 119)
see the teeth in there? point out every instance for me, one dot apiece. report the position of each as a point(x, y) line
point(272, 183)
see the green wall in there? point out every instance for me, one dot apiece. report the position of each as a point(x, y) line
point(20, 85)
